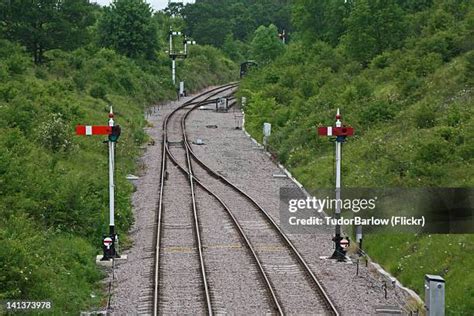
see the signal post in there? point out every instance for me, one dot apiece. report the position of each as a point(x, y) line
point(341, 132)
point(173, 54)
point(113, 131)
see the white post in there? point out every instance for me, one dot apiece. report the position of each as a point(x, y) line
point(267, 130)
point(181, 88)
point(171, 41)
point(173, 58)
point(435, 287)
point(339, 251)
point(173, 70)
point(338, 175)
point(111, 178)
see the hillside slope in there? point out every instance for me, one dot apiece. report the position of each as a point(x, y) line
point(412, 107)
point(54, 185)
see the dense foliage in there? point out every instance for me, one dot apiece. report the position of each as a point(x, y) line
point(127, 26)
point(53, 184)
point(221, 22)
point(41, 25)
point(401, 73)
point(265, 45)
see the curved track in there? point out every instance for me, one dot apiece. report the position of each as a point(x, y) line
point(275, 284)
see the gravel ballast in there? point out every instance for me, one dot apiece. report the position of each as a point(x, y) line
point(233, 277)
point(231, 152)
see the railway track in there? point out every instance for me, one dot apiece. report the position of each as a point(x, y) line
point(288, 283)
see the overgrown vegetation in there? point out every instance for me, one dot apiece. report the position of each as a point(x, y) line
point(400, 70)
point(230, 24)
point(401, 73)
point(210, 22)
point(53, 185)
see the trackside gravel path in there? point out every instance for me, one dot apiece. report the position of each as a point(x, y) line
point(236, 157)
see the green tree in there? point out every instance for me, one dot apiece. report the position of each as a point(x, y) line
point(372, 27)
point(320, 20)
point(127, 26)
point(210, 21)
point(243, 23)
point(213, 33)
point(266, 46)
point(174, 9)
point(41, 25)
point(277, 12)
point(235, 49)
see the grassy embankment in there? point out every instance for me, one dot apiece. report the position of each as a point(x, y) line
point(413, 112)
point(53, 185)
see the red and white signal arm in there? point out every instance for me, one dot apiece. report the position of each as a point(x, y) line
point(90, 130)
point(335, 131)
point(107, 242)
point(344, 243)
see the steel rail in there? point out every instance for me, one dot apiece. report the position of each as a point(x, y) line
point(198, 232)
point(243, 236)
point(327, 301)
point(239, 228)
point(159, 215)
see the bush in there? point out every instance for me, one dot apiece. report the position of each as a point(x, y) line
point(424, 117)
point(470, 66)
point(98, 91)
point(54, 134)
point(378, 112)
point(24, 252)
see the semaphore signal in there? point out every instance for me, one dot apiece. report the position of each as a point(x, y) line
point(341, 132)
point(113, 131)
point(90, 130)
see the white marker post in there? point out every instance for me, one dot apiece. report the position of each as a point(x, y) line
point(341, 132)
point(267, 131)
point(181, 89)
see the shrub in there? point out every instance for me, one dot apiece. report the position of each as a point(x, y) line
point(98, 91)
point(54, 134)
point(424, 117)
point(378, 112)
point(470, 66)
